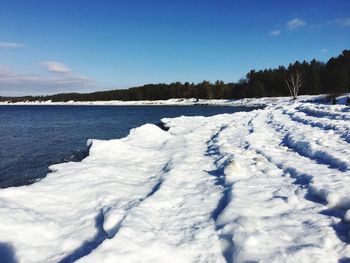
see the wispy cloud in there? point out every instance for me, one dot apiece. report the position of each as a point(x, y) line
point(11, 45)
point(55, 66)
point(295, 23)
point(274, 32)
point(325, 50)
point(290, 25)
point(340, 22)
point(18, 84)
point(5, 71)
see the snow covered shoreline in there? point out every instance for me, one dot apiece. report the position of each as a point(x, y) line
point(270, 185)
point(170, 102)
point(250, 102)
point(174, 102)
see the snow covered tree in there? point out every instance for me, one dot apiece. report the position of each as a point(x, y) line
point(294, 82)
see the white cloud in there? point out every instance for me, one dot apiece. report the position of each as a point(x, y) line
point(11, 45)
point(295, 23)
point(342, 21)
point(325, 50)
point(274, 33)
point(19, 84)
point(5, 71)
point(56, 67)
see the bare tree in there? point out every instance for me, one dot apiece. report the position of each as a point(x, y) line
point(294, 82)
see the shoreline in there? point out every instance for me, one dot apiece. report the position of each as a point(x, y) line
point(256, 102)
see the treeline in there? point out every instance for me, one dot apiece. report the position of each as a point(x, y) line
point(332, 77)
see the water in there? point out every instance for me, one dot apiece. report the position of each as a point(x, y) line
point(35, 137)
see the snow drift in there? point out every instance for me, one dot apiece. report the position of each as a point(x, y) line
point(270, 185)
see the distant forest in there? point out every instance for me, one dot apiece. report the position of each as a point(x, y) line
point(332, 77)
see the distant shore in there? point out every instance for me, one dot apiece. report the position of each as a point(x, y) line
point(174, 102)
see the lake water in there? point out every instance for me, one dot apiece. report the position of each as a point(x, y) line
point(35, 137)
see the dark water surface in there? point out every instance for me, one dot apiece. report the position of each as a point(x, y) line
point(34, 137)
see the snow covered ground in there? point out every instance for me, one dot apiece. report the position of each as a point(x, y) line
point(270, 185)
point(175, 102)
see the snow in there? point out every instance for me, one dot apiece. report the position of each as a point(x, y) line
point(270, 185)
point(112, 219)
point(182, 102)
point(347, 216)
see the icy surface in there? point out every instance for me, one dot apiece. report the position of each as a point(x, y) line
point(270, 185)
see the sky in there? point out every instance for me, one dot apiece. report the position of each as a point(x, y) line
point(49, 46)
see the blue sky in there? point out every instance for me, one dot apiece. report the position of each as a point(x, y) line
point(62, 46)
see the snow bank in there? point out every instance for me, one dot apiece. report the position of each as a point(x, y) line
point(257, 102)
point(81, 204)
point(270, 185)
